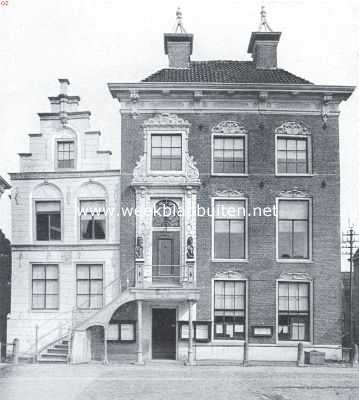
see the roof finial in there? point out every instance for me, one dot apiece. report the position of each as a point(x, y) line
point(179, 22)
point(263, 26)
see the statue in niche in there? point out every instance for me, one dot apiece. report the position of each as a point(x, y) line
point(139, 247)
point(190, 248)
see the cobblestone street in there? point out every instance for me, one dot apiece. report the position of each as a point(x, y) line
point(174, 381)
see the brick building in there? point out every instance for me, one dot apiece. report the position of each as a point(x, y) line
point(5, 272)
point(5, 279)
point(245, 157)
point(355, 299)
point(56, 250)
point(222, 134)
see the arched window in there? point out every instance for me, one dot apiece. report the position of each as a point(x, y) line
point(166, 214)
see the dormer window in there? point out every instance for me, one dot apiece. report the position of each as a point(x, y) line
point(66, 154)
point(166, 152)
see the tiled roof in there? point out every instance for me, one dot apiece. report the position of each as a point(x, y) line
point(225, 72)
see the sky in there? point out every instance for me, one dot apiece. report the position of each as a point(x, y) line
point(94, 42)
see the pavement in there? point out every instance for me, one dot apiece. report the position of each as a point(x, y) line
point(172, 381)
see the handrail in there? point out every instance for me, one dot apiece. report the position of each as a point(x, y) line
point(69, 326)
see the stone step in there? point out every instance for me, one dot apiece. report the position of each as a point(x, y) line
point(57, 351)
point(54, 355)
point(52, 361)
point(60, 347)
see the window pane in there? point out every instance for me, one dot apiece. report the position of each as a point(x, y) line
point(127, 332)
point(283, 304)
point(83, 272)
point(48, 206)
point(96, 287)
point(55, 226)
point(282, 168)
point(52, 301)
point(86, 228)
point(100, 227)
point(293, 209)
point(96, 301)
point(238, 143)
point(302, 144)
point(237, 245)
point(166, 141)
point(281, 144)
point(221, 239)
point(83, 301)
point(52, 272)
point(285, 244)
point(52, 287)
point(96, 272)
point(83, 287)
point(291, 144)
point(42, 227)
point(300, 239)
point(176, 141)
point(228, 143)
point(218, 143)
point(219, 287)
point(156, 141)
point(93, 206)
point(38, 301)
point(38, 272)
point(38, 286)
point(230, 209)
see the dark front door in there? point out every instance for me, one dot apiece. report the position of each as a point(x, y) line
point(165, 257)
point(164, 333)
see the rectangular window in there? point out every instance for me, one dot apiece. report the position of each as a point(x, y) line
point(89, 281)
point(45, 287)
point(166, 152)
point(293, 311)
point(66, 154)
point(92, 219)
point(229, 155)
point(293, 229)
point(229, 309)
point(229, 229)
point(48, 220)
point(292, 155)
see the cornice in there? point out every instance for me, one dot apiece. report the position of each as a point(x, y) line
point(64, 246)
point(63, 174)
point(71, 115)
point(117, 88)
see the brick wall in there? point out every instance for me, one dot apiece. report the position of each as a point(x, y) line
point(261, 187)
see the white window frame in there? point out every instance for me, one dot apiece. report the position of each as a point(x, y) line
point(310, 231)
point(227, 135)
point(91, 262)
point(311, 310)
point(34, 225)
point(233, 198)
point(213, 339)
point(62, 140)
point(45, 310)
point(309, 154)
point(168, 132)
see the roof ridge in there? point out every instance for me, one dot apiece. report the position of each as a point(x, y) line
point(225, 71)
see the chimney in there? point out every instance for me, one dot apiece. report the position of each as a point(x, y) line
point(64, 85)
point(178, 45)
point(263, 45)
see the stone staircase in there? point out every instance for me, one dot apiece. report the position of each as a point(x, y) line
point(56, 353)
